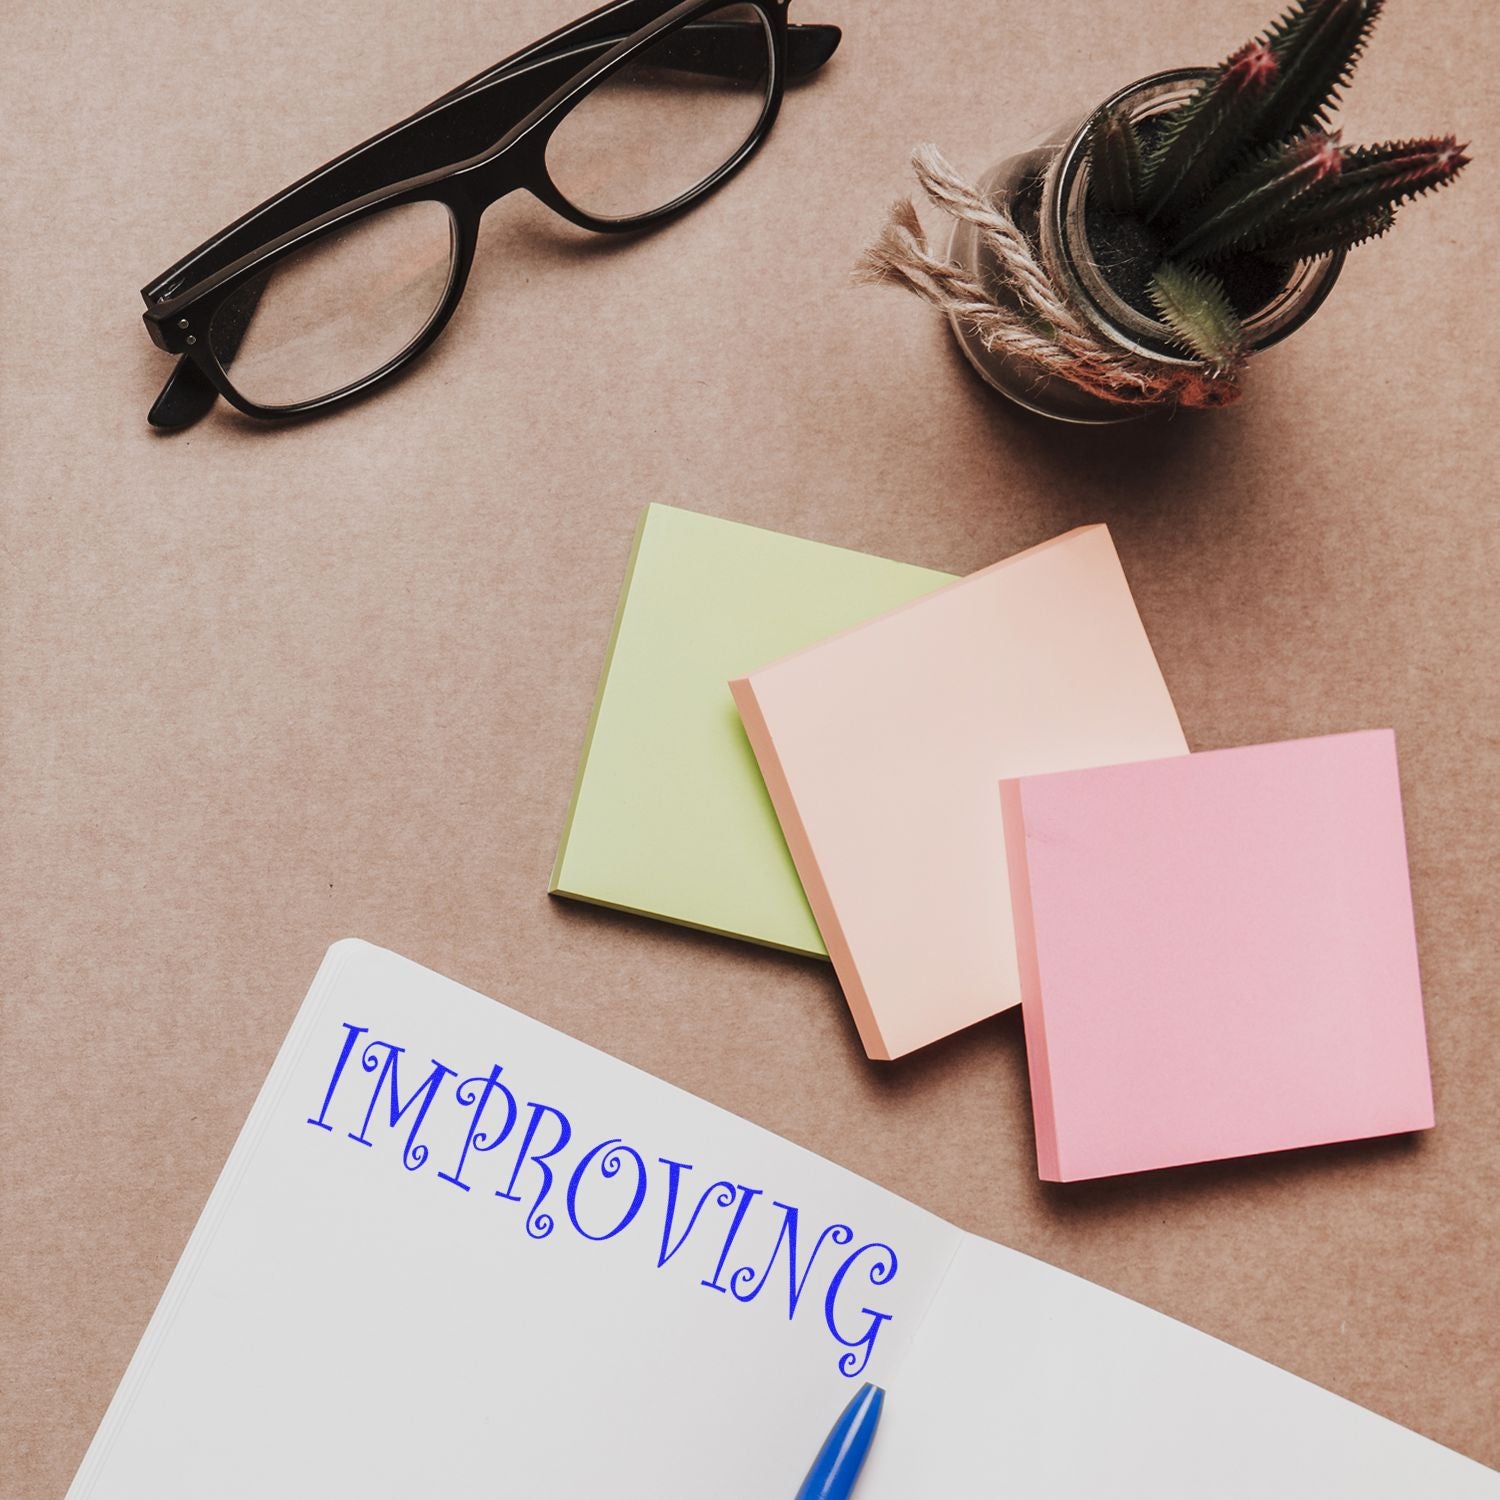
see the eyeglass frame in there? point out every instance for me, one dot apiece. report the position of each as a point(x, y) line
point(180, 311)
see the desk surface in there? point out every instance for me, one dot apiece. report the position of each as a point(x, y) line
point(262, 690)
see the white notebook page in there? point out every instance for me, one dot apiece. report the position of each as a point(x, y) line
point(670, 1303)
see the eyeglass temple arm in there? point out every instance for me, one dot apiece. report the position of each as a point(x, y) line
point(359, 170)
point(464, 123)
point(187, 396)
point(735, 49)
point(715, 49)
point(734, 54)
point(808, 48)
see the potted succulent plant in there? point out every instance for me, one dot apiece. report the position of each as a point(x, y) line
point(1137, 257)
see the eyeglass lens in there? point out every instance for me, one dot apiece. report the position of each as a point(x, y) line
point(326, 316)
point(669, 118)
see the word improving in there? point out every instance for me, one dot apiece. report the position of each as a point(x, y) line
point(609, 1190)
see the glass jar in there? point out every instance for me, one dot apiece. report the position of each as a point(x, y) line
point(1044, 188)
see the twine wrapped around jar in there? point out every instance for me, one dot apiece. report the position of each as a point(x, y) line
point(1038, 326)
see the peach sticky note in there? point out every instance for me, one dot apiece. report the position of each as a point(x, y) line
point(881, 748)
point(1217, 955)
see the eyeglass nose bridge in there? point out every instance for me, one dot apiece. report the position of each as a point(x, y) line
point(479, 187)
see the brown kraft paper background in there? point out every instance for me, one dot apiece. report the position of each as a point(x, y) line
point(260, 690)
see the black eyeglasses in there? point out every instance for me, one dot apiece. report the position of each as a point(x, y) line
point(619, 122)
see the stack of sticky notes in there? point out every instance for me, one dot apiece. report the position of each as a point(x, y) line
point(670, 817)
point(975, 793)
point(883, 747)
point(1217, 955)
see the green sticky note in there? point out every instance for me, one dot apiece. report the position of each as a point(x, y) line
point(670, 817)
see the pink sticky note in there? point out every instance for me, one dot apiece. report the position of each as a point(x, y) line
point(881, 747)
point(1217, 955)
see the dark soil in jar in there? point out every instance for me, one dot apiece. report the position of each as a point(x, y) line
point(1127, 253)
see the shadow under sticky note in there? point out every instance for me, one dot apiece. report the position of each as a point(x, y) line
point(1218, 956)
point(882, 747)
point(670, 817)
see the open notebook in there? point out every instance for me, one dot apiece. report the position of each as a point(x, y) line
point(457, 1253)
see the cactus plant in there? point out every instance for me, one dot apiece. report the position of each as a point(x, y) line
point(1247, 177)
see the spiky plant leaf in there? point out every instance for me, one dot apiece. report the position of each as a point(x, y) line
point(1211, 129)
point(1370, 178)
point(1317, 45)
point(1115, 164)
point(1193, 304)
point(1236, 213)
point(1317, 238)
point(1384, 176)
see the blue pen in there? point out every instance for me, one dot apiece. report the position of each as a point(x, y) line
point(842, 1455)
